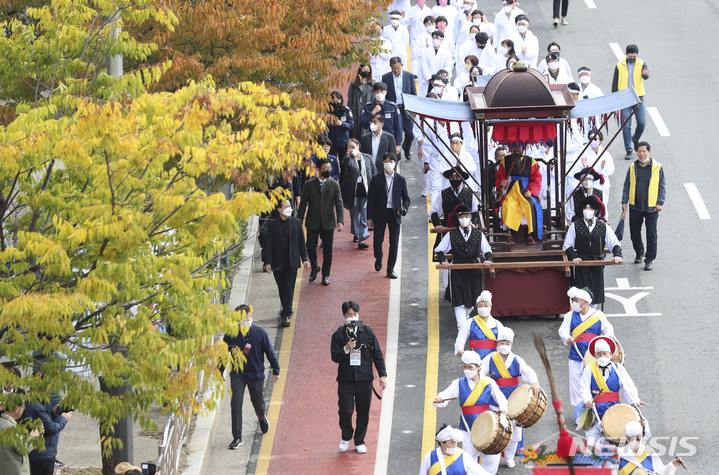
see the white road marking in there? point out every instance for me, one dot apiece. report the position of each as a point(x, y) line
point(658, 121)
point(406, 431)
point(414, 304)
point(613, 315)
point(617, 50)
point(623, 284)
point(590, 4)
point(629, 304)
point(410, 386)
point(697, 200)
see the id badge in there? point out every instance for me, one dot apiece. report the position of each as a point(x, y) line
point(355, 357)
point(388, 115)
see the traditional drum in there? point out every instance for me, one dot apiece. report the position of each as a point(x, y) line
point(489, 435)
point(614, 421)
point(617, 357)
point(524, 407)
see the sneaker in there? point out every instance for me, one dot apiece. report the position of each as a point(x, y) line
point(555, 22)
point(628, 156)
point(264, 425)
point(511, 463)
point(564, 21)
point(236, 442)
point(361, 449)
point(355, 239)
point(344, 445)
point(648, 265)
point(424, 194)
point(59, 464)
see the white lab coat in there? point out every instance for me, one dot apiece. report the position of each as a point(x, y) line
point(530, 42)
point(563, 66)
point(562, 77)
point(504, 25)
point(431, 62)
point(450, 13)
point(400, 40)
point(485, 55)
point(414, 20)
point(380, 62)
point(589, 92)
point(605, 167)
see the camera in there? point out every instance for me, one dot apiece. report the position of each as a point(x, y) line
point(403, 211)
point(354, 323)
point(148, 468)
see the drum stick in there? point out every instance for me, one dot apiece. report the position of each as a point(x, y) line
point(685, 468)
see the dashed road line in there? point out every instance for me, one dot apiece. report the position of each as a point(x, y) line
point(658, 121)
point(590, 4)
point(617, 50)
point(697, 201)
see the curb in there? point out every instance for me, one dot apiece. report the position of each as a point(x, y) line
point(201, 437)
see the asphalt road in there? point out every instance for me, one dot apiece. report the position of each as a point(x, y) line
point(670, 355)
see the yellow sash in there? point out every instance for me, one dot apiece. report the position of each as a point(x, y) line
point(630, 466)
point(485, 328)
point(448, 460)
point(501, 367)
point(476, 392)
point(597, 373)
point(582, 327)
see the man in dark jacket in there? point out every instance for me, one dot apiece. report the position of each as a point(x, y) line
point(387, 202)
point(357, 171)
point(355, 347)
point(388, 110)
point(377, 142)
point(322, 200)
point(254, 343)
point(43, 463)
point(284, 253)
point(401, 83)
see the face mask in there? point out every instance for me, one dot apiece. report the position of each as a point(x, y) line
point(507, 8)
point(587, 184)
point(466, 7)
point(437, 90)
point(483, 311)
point(287, 211)
point(635, 445)
point(364, 74)
point(467, 67)
point(481, 46)
point(595, 143)
point(430, 29)
point(504, 349)
point(373, 127)
point(576, 306)
point(380, 97)
point(502, 50)
point(603, 361)
point(477, 21)
point(522, 29)
point(553, 66)
point(470, 373)
point(354, 152)
point(388, 167)
point(630, 60)
point(325, 174)
point(436, 42)
point(464, 222)
point(450, 451)
point(455, 183)
point(245, 323)
point(585, 80)
point(643, 161)
point(394, 23)
point(588, 214)
point(443, 3)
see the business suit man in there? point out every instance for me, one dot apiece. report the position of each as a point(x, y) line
point(322, 200)
point(377, 143)
point(387, 202)
point(357, 171)
point(284, 253)
point(401, 82)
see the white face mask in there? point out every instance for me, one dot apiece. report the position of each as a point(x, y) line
point(585, 80)
point(553, 66)
point(470, 373)
point(246, 323)
point(484, 311)
point(380, 97)
point(595, 143)
point(373, 127)
point(576, 306)
point(464, 222)
point(287, 211)
point(507, 8)
point(352, 319)
point(504, 349)
point(450, 450)
point(388, 167)
point(430, 29)
point(466, 7)
point(437, 90)
point(436, 42)
point(643, 161)
point(635, 445)
point(502, 50)
point(588, 214)
point(587, 184)
point(522, 29)
point(477, 21)
point(394, 23)
point(354, 152)
point(467, 67)
point(603, 361)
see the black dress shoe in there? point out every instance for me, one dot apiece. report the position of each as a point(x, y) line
point(378, 265)
point(236, 442)
point(363, 245)
point(355, 239)
point(391, 274)
point(264, 425)
point(313, 275)
point(325, 280)
point(285, 321)
point(638, 259)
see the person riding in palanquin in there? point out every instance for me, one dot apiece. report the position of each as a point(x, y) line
point(635, 454)
point(482, 329)
point(585, 240)
point(467, 244)
point(587, 188)
point(519, 180)
point(475, 396)
point(505, 368)
point(448, 459)
point(580, 325)
point(600, 384)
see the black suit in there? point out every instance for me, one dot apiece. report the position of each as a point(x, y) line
point(285, 251)
point(408, 88)
point(382, 216)
point(324, 210)
point(387, 144)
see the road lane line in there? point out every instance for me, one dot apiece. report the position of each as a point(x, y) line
point(658, 121)
point(617, 50)
point(697, 201)
point(590, 4)
point(432, 354)
point(381, 461)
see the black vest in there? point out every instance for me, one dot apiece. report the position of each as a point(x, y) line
point(578, 197)
point(465, 251)
point(590, 246)
point(450, 200)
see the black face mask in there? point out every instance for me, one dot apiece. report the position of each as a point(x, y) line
point(630, 60)
point(455, 183)
point(481, 46)
point(325, 174)
point(364, 74)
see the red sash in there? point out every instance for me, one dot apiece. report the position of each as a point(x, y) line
point(475, 409)
point(608, 397)
point(586, 337)
point(507, 381)
point(482, 344)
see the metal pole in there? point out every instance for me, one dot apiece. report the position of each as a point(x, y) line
point(113, 63)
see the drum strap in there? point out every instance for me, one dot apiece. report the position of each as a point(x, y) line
point(444, 462)
point(634, 462)
point(597, 373)
point(501, 367)
point(476, 392)
point(485, 328)
point(585, 325)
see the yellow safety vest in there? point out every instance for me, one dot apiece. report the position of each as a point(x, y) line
point(653, 183)
point(623, 79)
